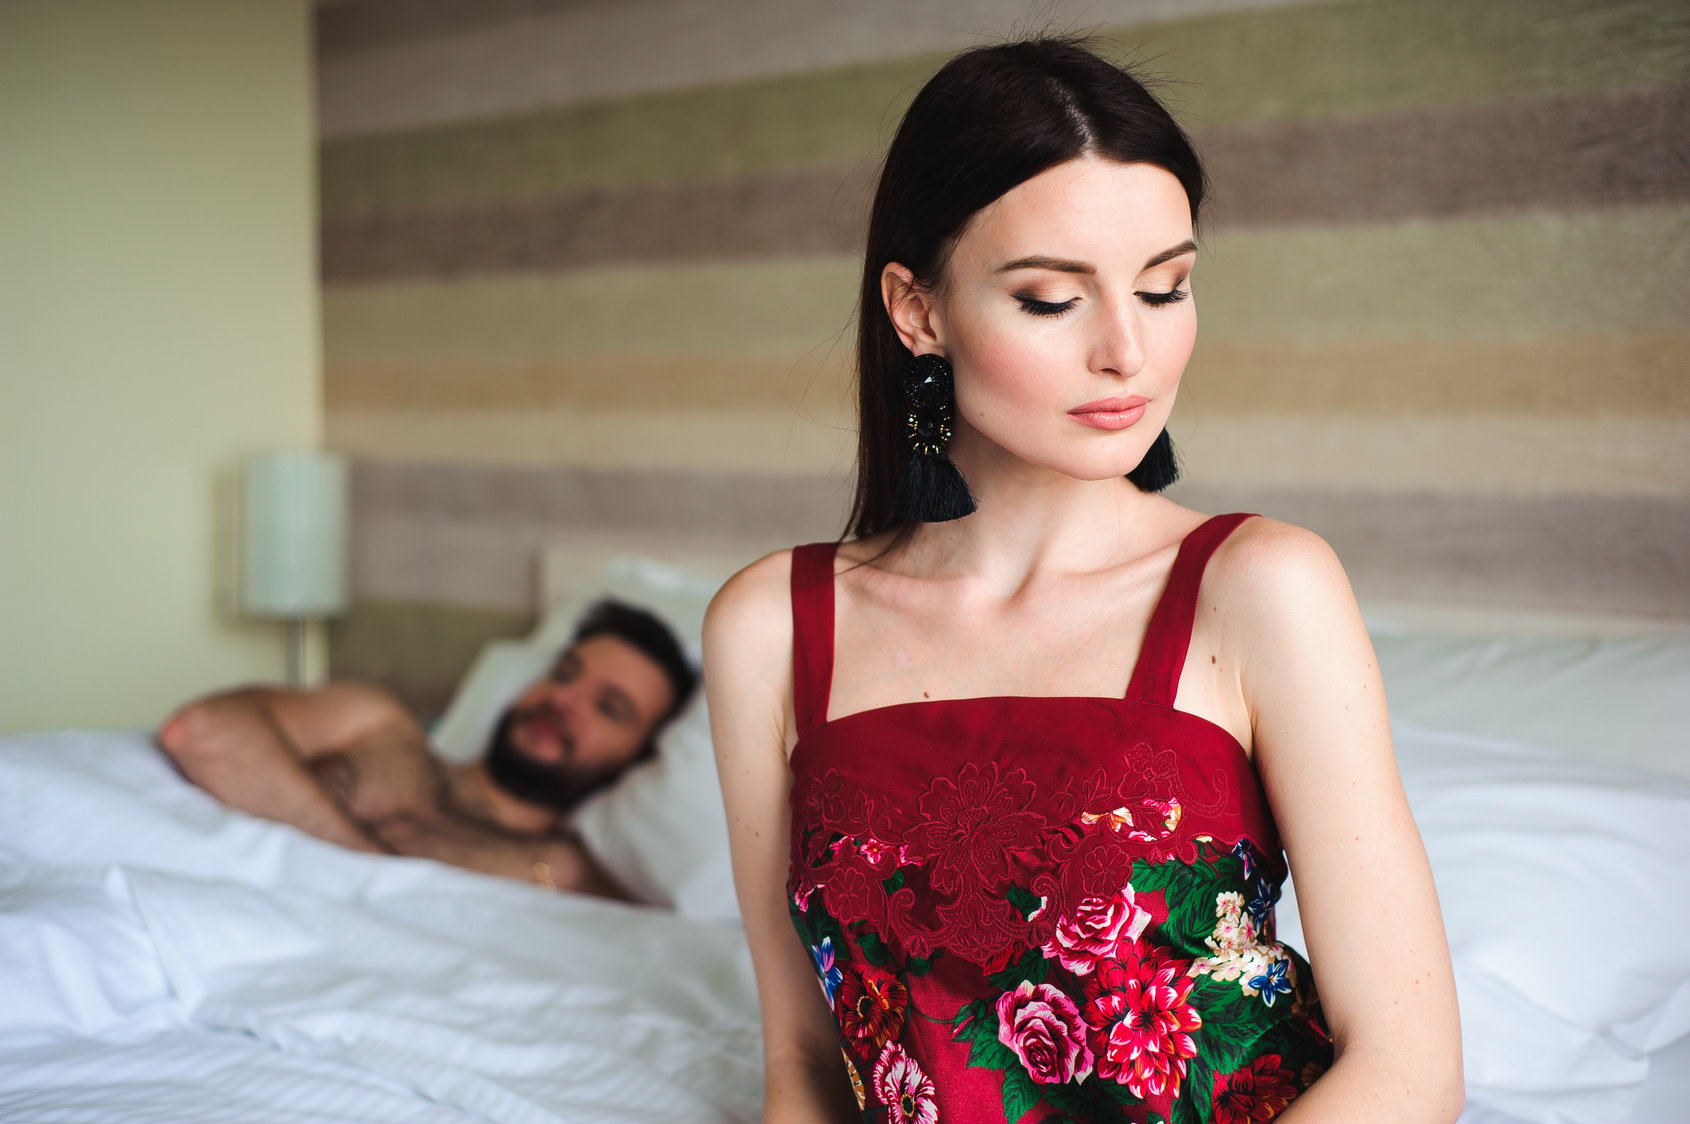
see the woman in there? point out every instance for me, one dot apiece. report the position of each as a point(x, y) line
point(1027, 893)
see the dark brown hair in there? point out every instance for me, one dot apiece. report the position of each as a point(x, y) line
point(990, 119)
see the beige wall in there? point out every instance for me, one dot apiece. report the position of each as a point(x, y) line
point(158, 320)
point(589, 270)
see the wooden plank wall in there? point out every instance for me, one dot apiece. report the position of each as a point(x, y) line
point(592, 265)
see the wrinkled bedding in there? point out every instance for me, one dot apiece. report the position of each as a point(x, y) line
point(165, 959)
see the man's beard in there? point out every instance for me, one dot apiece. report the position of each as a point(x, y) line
point(558, 785)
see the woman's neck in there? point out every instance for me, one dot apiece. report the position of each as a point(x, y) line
point(1031, 520)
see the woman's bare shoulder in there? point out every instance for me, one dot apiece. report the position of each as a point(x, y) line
point(1271, 571)
point(748, 658)
point(756, 601)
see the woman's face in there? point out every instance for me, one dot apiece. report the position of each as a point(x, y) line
point(1067, 315)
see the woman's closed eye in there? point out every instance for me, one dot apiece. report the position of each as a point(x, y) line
point(1036, 307)
point(1157, 300)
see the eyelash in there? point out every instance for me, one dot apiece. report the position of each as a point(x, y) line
point(1157, 300)
point(1045, 308)
point(1048, 308)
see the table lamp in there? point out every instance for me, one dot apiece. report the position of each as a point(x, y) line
point(293, 539)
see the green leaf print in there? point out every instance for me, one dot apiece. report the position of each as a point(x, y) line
point(1233, 1023)
point(980, 1031)
point(1024, 901)
point(1032, 967)
point(874, 949)
point(1189, 893)
point(971, 1012)
point(894, 883)
point(1092, 1099)
point(1020, 1093)
point(1196, 1102)
point(816, 924)
point(921, 965)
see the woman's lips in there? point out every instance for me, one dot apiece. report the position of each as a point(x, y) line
point(1110, 413)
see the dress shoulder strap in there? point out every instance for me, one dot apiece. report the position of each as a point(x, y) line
point(812, 633)
point(1162, 658)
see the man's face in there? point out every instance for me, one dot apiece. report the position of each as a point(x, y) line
point(581, 724)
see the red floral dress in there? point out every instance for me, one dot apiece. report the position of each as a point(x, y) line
point(1045, 909)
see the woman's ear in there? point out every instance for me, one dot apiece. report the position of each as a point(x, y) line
point(911, 308)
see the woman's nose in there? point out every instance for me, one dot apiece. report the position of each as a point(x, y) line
point(1119, 345)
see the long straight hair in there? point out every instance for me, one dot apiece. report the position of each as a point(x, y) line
point(990, 119)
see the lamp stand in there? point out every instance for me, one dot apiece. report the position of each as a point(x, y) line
point(296, 652)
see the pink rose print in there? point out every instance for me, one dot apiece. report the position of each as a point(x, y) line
point(903, 1088)
point(1044, 1028)
point(1094, 930)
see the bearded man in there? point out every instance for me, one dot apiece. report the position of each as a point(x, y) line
point(348, 763)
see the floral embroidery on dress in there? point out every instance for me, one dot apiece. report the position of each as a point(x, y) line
point(1257, 1092)
point(971, 825)
point(1262, 967)
point(1044, 1029)
point(831, 976)
point(1094, 929)
point(1060, 907)
point(1140, 1018)
point(871, 1005)
point(903, 1088)
point(1159, 998)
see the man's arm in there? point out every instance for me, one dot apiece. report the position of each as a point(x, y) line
point(251, 748)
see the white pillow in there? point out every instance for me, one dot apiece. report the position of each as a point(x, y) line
point(1608, 700)
point(660, 830)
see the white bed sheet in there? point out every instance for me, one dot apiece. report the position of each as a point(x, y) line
point(165, 959)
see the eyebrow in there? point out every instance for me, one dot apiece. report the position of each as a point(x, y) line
point(1064, 265)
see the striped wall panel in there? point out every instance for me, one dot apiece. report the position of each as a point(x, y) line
point(574, 251)
point(448, 554)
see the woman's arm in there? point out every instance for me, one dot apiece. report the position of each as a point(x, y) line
point(1322, 744)
point(748, 675)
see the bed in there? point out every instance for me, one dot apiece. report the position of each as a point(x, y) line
point(165, 959)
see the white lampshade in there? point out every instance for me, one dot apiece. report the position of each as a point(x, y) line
point(294, 532)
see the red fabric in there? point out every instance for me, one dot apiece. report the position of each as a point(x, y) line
point(937, 845)
point(1162, 658)
point(812, 633)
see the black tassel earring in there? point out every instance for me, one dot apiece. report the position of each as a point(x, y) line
point(931, 489)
